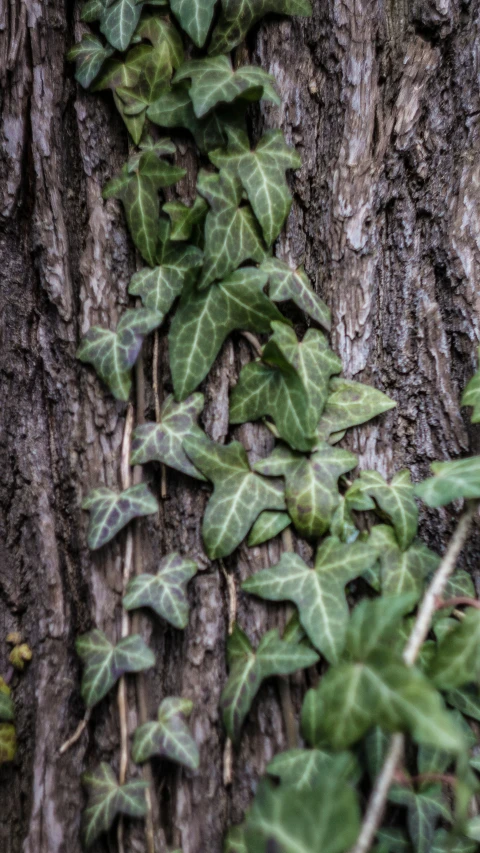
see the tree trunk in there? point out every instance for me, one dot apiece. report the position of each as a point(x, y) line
point(382, 100)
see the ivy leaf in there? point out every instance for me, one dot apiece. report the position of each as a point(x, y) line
point(267, 525)
point(164, 37)
point(457, 660)
point(165, 592)
point(89, 54)
point(444, 842)
point(7, 711)
point(169, 737)
point(106, 663)
point(195, 17)
point(262, 174)
point(239, 495)
point(107, 799)
point(214, 81)
point(396, 500)
point(424, 810)
point(466, 700)
point(318, 593)
point(92, 10)
point(119, 21)
point(325, 819)
point(471, 395)
point(160, 286)
point(137, 188)
point(402, 571)
point(232, 235)
point(184, 219)
point(303, 769)
point(110, 512)
point(235, 840)
point(249, 668)
point(350, 404)
point(205, 318)
point(163, 441)
point(451, 480)
point(311, 485)
point(286, 283)
point(113, 354)
point(238, 16)
point(8, 742)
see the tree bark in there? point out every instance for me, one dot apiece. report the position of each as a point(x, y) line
point(382, 100)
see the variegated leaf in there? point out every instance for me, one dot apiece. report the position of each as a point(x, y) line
point(195, 17)
point(159, 287)
point(425, 809)
point(105, 663)
point(185, 219)
point(89, 55)
point(110, 511)
point(107, 799)
point(395, 499)
point(302, 769)
point(169, 737)
point(451, 481)
point(457, 659)
point(239, 495)
point(466, 700)
point(286, 283)
point(214, 81)
point(165, 592)
point(163, 441)
point(267, 525)
point(402, 571)
point(238, 16)
point(350, 404)
point(118, 22)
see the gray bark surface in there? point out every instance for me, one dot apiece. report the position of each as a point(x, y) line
point(383, 101)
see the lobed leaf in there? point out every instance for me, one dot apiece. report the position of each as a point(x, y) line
point(451, 481)
point(238, 16)
point(457, 659)
point(107, 799)
point(118, 22)
point(89, 55)
point(169, 737)
point(267, 525)
point(303, 769)
point(286, 283)
point(159, 287)
point(350, 404)
point(396, 501)
point(402, 571)
point(214, 81)
point(185, 219)
point(110, 512)
point(163, 441)
point(165, 592)
point(425, 808)
point(195, 17)
point(105, 663)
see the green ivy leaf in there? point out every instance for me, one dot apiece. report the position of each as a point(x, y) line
point(8, 742)
point(235, 840)
point(110, 511)
point(457, 660)
point(164, 37)
point(402, 571)
point(92, 10)
point(239, 495)
point(205, 318)
point(113, 354)
point(214, 81)
point(451, 480)
point(392, 840)
point(232, 235)
point(185, 219)
point(311, 485)
point(318, 593)
point(249, 668)
point(159, 287)
point(424, 810)
point(396, 501)
point(267, 525)
point(238, 16)
point(471, 395)
point(195, 17)
point(107, 799)
point(137, 188)
point(303, 769)
point(118, 73)
point(119, 21)
point(286, 283)
point(163, 441)
point(444, 842)
point(350, 404)
point(169, 737)
point(89, 55)
point(7, 711)
point(262, 175)
point(466, 700)
point(165, 592)
point(106, 663)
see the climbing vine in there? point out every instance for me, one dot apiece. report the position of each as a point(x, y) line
point(392, 710)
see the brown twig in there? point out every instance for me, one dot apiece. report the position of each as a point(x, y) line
point(463, 600)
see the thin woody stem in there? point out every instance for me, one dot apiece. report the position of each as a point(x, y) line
point(288, 713)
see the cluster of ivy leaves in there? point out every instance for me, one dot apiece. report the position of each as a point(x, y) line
point(213, 260)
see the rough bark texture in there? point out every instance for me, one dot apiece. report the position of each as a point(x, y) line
point(382, 99)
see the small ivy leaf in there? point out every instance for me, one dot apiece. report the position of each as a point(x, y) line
point(325, 819)
point(374, 624)
point(205, 318)
point(165, 592)
point(451, 480)
point(184, 219)
point(444, 842)
point(159, 286)
point(123, 73)
point(267, 525)
point(106, 663)
point(249, 668)
point(396, 500)
point(107, 799)
point(162, 441)
point(7, 711)
point(8, 742)
point(164, 37)
point(286, 283)
point(113, 354)
point(156, 146)
point(238, 16)
point(137, 188)
point(169, 737)
point(350, 404)
point(402, 571)
point(89, 55)
point(20, 655)
point(92, 11)
point(119, 21)
point(303, 769)
point(457, 661)
point(318, 593)
point(424, 810)
point(195, 17)
point(343, 525)
point(392, 840)
point(214, 81)
point(466, 700)
point(471, 395)
point(239, 495)
point(110, 512)
point(232, 235)
point(262, 174)
point(311, 485)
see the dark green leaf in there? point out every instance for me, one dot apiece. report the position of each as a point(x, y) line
point(92, 10)
point(467, 700)
point(395, 499)
point(169, 737)
point(163, 441)
point(457, 660)
point(89, 54)
point(118, 22)
point(165, 592)
point(110, 511)
point(107, 799)
point(445, 842)
point(195, 17)
point(106, 663)
point(424, 810)
point(350, 404)
point(402, 571)
point(159, 287)
point(471, 395)
point(184, 219)
point(7, 711)
point(303, 769)
point(214, 81)
point(451, 480)
point(267, 525)
point(286, 283)
point(238, 16)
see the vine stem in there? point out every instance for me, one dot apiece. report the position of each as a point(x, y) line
point(376, 805)
point(254, 342)
point(288, 712)
point(232, 617)
point(156, 395)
